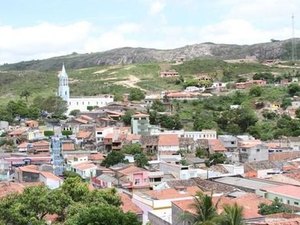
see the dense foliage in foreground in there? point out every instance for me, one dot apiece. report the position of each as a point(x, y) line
point(71, 204)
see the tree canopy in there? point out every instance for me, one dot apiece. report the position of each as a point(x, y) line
point(73, 204)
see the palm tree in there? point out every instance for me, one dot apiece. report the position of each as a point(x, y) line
point(232, 215)
point(206, 211)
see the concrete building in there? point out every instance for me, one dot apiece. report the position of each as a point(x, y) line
point(287, 194)
point(140, 124)
point(252, 150)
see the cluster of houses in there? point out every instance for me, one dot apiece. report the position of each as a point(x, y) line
point(254, 171)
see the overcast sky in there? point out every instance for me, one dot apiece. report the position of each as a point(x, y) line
point(37, 29)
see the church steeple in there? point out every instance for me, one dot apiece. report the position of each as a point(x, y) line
point(63, 89)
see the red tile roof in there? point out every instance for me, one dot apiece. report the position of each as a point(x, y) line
point(67, 146)
point(83, 134)
point(96, 156)
point(172, 193)
point(168, 140)
point(130, 170)
point(49, 175)
point(216, 145)
point(84, 166)
point(286, 190)
point(29, 168)
point(128, 205)
point(7, 188)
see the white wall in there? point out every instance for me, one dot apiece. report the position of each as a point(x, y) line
point(82, 103)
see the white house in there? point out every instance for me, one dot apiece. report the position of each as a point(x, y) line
point(50, 180)
point(86, 170)
point(79, 103)
point(101, 132)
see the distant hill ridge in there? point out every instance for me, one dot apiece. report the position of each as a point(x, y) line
point(262, 51)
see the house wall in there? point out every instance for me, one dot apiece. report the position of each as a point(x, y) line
point(284, 155)
point(140, 179)
point(99, 135)
point(205, 134)
point(50, 183)
point(254, 154)
point(178, 215)
point(169, 148)
point(285, 200)
point(86, 173)
point(140, 125)
point(155, 220)
point(82, 103)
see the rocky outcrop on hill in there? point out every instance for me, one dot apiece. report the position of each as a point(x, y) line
point(262, 51)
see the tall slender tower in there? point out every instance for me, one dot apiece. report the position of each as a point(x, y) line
point(63, 89)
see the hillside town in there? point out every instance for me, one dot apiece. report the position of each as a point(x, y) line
point(158, 172)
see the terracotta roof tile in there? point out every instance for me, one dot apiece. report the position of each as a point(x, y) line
point(131, 169)
point(216, 145)
point(84, 166)
point(68, 146)
point(7, 188)
point(286, 190)
point(172, 193)
point(168, 140)
point(128, 205)
point(84, 134)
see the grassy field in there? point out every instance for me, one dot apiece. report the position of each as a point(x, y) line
point(119, 79)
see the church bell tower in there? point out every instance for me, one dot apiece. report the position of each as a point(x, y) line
point(63, 89)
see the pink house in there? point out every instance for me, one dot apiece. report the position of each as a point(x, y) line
point(133, 177)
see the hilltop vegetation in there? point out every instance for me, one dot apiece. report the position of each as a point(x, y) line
point(119, 79)
point(124, 56)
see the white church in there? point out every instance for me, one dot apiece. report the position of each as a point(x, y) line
point(79, 103)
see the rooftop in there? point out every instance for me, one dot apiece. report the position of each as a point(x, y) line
point(285, 190)
point(253, 184)
point(168, 140)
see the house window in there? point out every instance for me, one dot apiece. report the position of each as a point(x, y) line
point(136, 181)
point(296, 203)
point(257, 150)
point(232, 142)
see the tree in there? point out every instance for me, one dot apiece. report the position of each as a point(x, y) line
point(132, 149)
point(201, 153)
point(31, 206)
point(294, 89)
point(232, 215)
point(25, 94)
point(297, 113)
point(285, 103)
point(75, 189)
point(74, 112)
point(127, 117)
point(113, 158)
point(158, 106)
point(136, 94)
point(275, 207)
point(141, 160)
point(55, 105)
point(206, 212)
point(255, 91)
point(215, 158)
point(102, 215)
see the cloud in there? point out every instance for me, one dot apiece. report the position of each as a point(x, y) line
point(42, 40)
point(156, 7)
